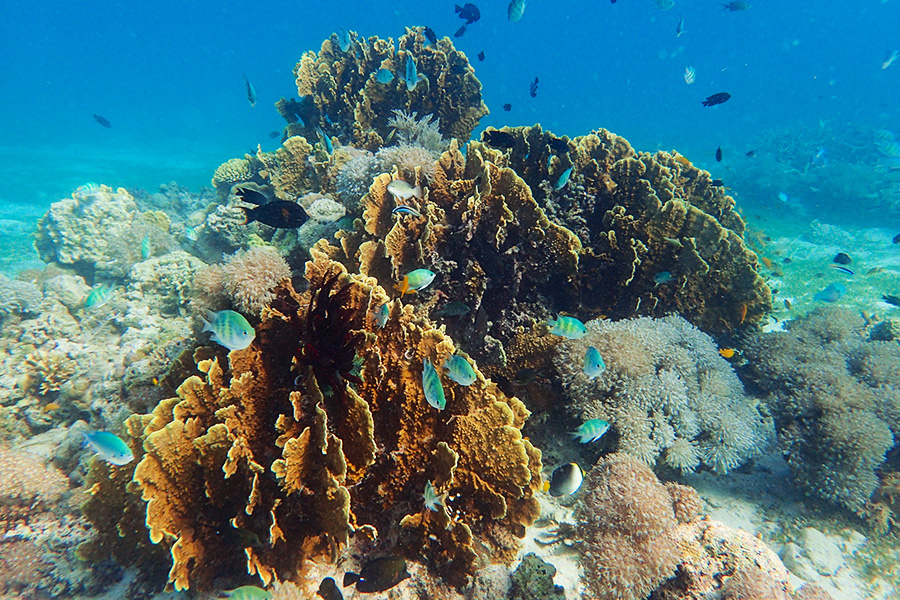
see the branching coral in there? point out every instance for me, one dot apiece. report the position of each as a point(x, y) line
point(833, 393)
point(412, 131)
point(667, 393)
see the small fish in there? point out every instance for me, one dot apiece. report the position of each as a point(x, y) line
point(380, 315)
point(515, 10)
point(842, 269)
point(689, 75)
point(498, 139)
point(718, 183)
point(432, 387)
point(432, 498)
point(378, 574)
point(430, 35)
point(415, 281)
point(532, 88)
point(679, 29)
point(832, 293)
point(727, 352)
point(558, 145)
point(384, 76)
point(229, 328)
point(719, 154)
point(896, 239)
point(280, 214)
point(192, 233)
point(664, 4)
point(51, 406)
point(109, 447)
point(328, 590)
point(451, 309)
point(326, 141)
point(460, 370)
point(565, 480)
point(842, 258)
point(251, 92)
point(403, 209)
point(251, 196)
point(891, 299)
point(481, 56)
point(103, 121)
point(343, 37)
point(403, 190)
point(507, 107)
point(567, 327)
point(468, 12)
point(460, 32)
point(413, 77)
point(735, 6)
point(593, 363)
point(246, 592)
point(663, 277)
point(98, 296)
point(750, 153)
point(787, 304)
point(673, 241)
point(145, 247)
point(590, 431)
point(887, 62)
point(274, 134)
point(787, 260)
point(563, 179)
point(718, 98)
point(683, 160)
point(743, 313)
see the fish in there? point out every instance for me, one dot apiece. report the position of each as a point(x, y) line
point(743, 313)
point(727, 352)
point(415, 281)
point(98, 296)
point(717, 98)
point(468, 12)
point(251, 196)
point(274, 134)
point(515, 10)
point(891, 299)
point(378, 575)
point(842, 269)
point(689, 75)
point(735, 6)
point(246, 592)
point(679, 29)
point(432, 498)
point(328, 590)
point(460, 370)
point(52, 406)
point(481, 56)
point(401, 189)
point(460, 32)
point(145, 247)
point(451, 309)
point(565, 480)
point(558, 145)
point(832, 293)
point(719, 154)
point(251, 91)
point(567, 327)
point(498, 139)
point(413, 77)
point(507, 107)
point(384, 76)
point(787, 260)
point(280, 214)
point(109, 447)
point(403, 209)
point(229, 328)
point(430, 35)
point(663, 277)
point(787, 304)
point(683, 160)
point(103, 121)
point(192, 233)
point(842, 258)
point(431, 385)
point(750, 153)
point(593, 363)
point(380, 315)
point(343, 37)
point(532, 88)
point(590, 431)
point(664, 4)
point(326, 141)
point(563, 179)
point(896, 239)
point(887, 62)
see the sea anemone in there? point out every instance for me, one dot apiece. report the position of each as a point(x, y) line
point(251, 277)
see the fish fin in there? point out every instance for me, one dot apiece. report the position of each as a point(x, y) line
point(417, 192)
point(350, 578)
point(207, 325)
point(248, 214)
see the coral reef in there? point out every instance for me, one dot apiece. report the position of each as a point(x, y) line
point(18, 297)
point(533, 580)
point(835, 397)
point(164, 283)
point(250, 278)
point(667, 393)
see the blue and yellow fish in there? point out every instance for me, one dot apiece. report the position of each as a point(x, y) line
point(593, 363)
point(567, 327)
point(591, 431)
point(381, 314)
point(431, 384)
point(460, 370)
point(415, 281)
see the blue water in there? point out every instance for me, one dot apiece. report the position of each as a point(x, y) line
point(167, 75)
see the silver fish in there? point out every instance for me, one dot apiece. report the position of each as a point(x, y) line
point(516, 9)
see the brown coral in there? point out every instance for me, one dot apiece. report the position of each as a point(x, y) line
point(250, 277)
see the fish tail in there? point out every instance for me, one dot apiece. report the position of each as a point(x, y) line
point(248, 214)
point(417, 192)
point(350, 578)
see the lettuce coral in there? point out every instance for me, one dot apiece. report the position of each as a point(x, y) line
point(668, 394)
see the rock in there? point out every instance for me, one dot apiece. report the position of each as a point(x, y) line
point(533, 580)
point(824, 555)
point(70, 290)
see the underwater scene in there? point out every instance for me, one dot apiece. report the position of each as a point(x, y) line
point(497, 300)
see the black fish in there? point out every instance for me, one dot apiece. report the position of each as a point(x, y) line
point(430, 35)
point(481, 55)
point(717, 99)
point(103, 121)
point(507, 107)
point(719, 154)
point(736, 6)
point(328, 590)
point(891, 299)
point(842, 258)
point(498, 139)
point(532, 89)
point(896, 239)
point(787, 260)
point(251, 196)
point(750, 153)
point(718, 183)
point(280, 214)
point(274, 134)
point(557, 145)
point(451, 309)
point(460, 32)
point(378, 575)
point(468, 11)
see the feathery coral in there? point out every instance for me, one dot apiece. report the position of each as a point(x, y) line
point(250, 277)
